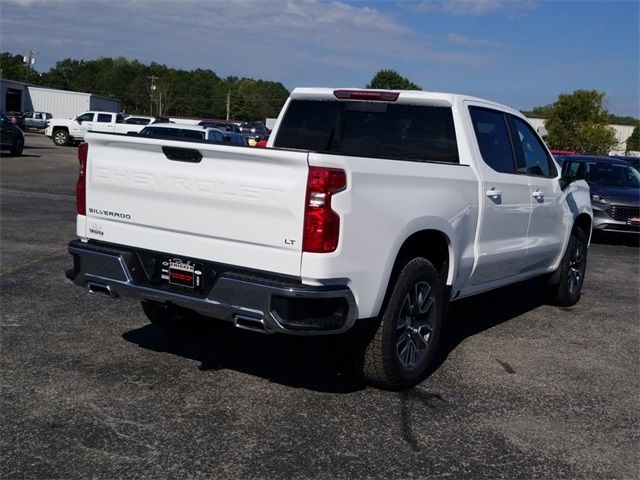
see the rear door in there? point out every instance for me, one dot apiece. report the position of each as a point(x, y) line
point(232, 205)
point(104, 122)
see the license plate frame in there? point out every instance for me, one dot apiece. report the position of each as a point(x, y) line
point(182, 272)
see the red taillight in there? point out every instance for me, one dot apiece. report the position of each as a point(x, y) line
point(369, 95)
point(321, 223)
point(81, 184)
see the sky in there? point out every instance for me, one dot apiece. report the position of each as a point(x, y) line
point(522, 53)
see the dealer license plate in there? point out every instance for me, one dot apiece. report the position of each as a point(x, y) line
point(184, 273)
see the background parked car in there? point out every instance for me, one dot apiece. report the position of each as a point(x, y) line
point(36, 120)
point(178, 131)
point(254, 130)
point(11, 137)
point(223, 125)
point(633, 161)
point(262, 143)
point(615, 191)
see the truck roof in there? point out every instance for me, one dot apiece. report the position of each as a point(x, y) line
point(401, 96)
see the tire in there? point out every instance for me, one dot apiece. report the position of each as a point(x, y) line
point(162, 315)
point(399, 352)
point(565, 286)
point(17, 148)
point(60, 137)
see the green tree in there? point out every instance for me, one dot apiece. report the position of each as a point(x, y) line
point(392, 80)
point(12, 67)
point(195, 93)
point(633, 142)
point(579, 122)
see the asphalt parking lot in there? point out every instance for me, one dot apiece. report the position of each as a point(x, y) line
point(90, 389)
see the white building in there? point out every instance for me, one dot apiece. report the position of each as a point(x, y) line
point(623, 132)
point(23, 97)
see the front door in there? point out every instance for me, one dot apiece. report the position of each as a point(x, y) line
point(545, 236)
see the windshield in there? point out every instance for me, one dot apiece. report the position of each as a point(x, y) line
point(610, 174)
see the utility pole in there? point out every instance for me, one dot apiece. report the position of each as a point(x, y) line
point(153, 88)
point(29, 58)
point(228, 104)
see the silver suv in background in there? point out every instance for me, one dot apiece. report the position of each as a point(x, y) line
point(615, 191)
point(36, 120)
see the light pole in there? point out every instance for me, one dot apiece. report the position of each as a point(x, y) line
point(29, 58)
point(153, 88)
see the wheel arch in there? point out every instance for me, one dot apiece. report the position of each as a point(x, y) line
point(432, 244)
point(584, 222)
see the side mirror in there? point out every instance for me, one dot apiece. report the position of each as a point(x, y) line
point(571, 171)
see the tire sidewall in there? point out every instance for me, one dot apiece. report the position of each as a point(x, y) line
point(18, 147)
point(415, 270)
point(63, 134)
point(564, 296)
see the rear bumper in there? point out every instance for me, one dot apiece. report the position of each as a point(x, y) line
point(249, 300)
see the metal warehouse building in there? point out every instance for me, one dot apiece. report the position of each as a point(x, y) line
point(23, 97)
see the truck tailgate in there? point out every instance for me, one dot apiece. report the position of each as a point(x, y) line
point(237, 206)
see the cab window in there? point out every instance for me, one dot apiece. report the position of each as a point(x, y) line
point(493, 138)
point(85, 117)
point(533, 157)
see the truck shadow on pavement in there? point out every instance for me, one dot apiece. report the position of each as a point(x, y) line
point(321, 364)
point(18, 157)
point(615, 238)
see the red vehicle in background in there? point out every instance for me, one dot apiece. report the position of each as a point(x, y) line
point(563, 152)
point(262, 143)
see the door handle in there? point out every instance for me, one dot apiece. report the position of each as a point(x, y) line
point(538, 195)
point(493, 193)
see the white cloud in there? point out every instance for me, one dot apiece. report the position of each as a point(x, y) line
point(476, 7)
point(295, 42)
point(457, 39)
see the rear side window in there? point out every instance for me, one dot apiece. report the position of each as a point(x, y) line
point(370, 129)
point(104, 118)
point(493, 139)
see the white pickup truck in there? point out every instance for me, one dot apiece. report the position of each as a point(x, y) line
point(65, 131)
point(370, 211)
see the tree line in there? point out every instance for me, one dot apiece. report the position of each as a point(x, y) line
point(577, 121)
point(158, 89)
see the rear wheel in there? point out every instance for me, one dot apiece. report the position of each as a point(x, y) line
point(60, 137)
point(565, 286)
point(17, 148)
point(399, 352)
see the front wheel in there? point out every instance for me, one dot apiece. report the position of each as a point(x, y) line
point(60, 138)
point(565, 286)
point(398, 354)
